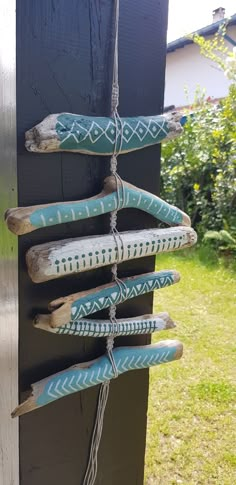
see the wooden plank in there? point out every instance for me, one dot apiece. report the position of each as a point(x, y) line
point(9, 429)
point(89, 374)
point(70, 256)
point(65, 52)
point(116, 195)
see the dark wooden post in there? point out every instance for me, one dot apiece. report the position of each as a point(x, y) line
point(64, 63)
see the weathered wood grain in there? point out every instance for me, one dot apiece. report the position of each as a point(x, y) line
point(73, 307)
point(115, 195)
point(144, 324)
point(88, 374)
point(9, 262)
point(69, 256)
point(97, 135)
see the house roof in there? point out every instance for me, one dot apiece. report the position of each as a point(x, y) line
point(204, 31)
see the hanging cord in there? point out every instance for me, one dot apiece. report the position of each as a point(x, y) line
point(120, 189)
point(91, 472)
point(92, 466)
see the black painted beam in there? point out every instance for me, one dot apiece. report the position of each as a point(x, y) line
point(64, 63)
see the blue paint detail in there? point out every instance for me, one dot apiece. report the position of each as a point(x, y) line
point(97, 134)
point(74, 380)
point(184, 118)
point(112, 295)
point(60, 213)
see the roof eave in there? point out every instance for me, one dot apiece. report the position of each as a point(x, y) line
point(204, 31)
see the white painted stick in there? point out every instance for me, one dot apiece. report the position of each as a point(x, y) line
point(69, 256)
point(144, 324)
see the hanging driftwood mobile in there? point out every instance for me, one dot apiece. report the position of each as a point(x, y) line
point(116, 195)
point(101, 136)
point(73, 307)
point(60, 258)
point(88, 374)
point(144, 324)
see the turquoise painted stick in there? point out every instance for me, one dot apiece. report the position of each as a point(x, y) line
point(83, 376)
point(97, 135)
point(70, 256)
point(115, 195)
point(144, 324)
point(73, 307)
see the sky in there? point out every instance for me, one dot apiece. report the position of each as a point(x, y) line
point(185, 16)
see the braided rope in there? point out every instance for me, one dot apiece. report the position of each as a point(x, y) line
point(91, 472)
point(113, 219)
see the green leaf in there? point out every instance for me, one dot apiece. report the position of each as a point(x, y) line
point(226, 237)
point(213, 235)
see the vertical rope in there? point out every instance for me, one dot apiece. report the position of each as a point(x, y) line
point(91, 472)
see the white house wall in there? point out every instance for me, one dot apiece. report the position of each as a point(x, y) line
point(185, 67)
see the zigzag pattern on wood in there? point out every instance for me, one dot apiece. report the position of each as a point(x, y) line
point(113, 296)
point(73, 307)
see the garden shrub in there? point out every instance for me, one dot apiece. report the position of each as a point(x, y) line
point(198, 172)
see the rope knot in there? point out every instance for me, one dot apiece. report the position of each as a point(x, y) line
point(115, 97)
point(112, 312)
point(113, 164)
point(113, 221)
point(114, 273)
point(110, 343)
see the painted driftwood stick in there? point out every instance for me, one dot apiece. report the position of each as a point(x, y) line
point(88, 374)
point(144, 324)
point(21, 220)
point(73, 307)
point(97, 135)
point(60, 258)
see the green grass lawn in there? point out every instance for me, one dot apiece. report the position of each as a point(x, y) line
point(191, 436)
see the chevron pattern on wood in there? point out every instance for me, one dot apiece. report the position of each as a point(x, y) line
point(83, 376)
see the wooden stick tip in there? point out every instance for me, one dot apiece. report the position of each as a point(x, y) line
point(24, 407)
point(176, 276)
point(186, 220)
point(179, 350)
point(192, 237)
point(167, 319)
point(15, 224)
point(42, 322)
